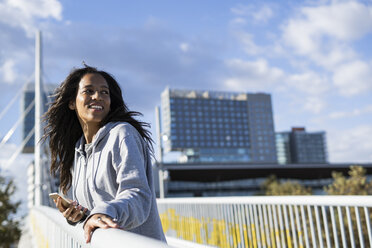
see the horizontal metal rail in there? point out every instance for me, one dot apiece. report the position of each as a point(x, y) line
point(265, 221)
point(50, 229)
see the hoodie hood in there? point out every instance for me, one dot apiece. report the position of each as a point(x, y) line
point(102, 132)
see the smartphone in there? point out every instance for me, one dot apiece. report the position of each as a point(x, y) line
point(65, 202)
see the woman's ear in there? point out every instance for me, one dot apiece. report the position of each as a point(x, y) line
point(71, 105)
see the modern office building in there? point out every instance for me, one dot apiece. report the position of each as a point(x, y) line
point(210, 126)
point(283, 148)
point(299, 146)
point(29, 119)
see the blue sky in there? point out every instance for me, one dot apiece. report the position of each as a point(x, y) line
point(313, 57)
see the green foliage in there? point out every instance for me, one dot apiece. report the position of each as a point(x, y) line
point(356, 184)
point(9, 228)
point(272, 186)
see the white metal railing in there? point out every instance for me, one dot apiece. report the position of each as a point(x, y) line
point(265, 221)
point(50, 229)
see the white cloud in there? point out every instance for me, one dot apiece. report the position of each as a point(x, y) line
point(353, 78)
point(345, 20)
point(314, 104)
point(38, 8)
point(259, 14)
point(25, 13)
point(17, 64)
point(309, 82)
point(333, 56)
point(238, 21)
point(248, 43)
point(323, 33)
point(241, 10)
point(7, 71)
point(342, 21)
point(298, 35)
point(185, 47)
point(263, 14)
point(350, 114)
point(252, 75)
point(354, 145)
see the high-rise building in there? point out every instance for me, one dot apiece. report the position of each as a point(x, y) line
point(283, 148)
point(299, 146)
point(210, 126)
point(29, 120)
point(308, 147)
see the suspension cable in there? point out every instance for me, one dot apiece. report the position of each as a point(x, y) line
point(14, 127)
point(16, 97)
point(48, 97)
point(19, 150)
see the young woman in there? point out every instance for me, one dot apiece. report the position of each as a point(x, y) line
point(103, 156)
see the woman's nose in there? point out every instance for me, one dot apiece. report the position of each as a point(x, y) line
point(96, 95)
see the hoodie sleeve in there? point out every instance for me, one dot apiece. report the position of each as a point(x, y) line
point(132, 203)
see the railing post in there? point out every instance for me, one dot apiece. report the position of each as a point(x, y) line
point(252, 221)
point(38, 105)
point(160, 154)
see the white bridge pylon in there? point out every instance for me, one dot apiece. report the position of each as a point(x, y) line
point(10, 133)
point(41, 183)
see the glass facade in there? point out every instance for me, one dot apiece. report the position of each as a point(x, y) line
point(309, 147)
point(29, 120)
point(261, 127)
point(283, 147)
point(299, 146)
point(218, 126)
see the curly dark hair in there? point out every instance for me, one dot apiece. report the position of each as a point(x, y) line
point(63, 127)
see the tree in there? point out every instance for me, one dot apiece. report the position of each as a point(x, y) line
point(272, 186)
point(356, 184)
point(9, 228)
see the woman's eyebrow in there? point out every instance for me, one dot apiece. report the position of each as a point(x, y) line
point(91, 86)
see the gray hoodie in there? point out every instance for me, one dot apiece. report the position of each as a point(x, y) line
point(113, 176)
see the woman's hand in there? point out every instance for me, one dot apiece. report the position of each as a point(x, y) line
point(98, 221)
point(73, 213)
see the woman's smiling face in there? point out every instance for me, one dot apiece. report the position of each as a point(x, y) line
point(92, 102)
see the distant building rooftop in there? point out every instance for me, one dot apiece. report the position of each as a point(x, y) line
point(206, 94)
point(48, 87)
